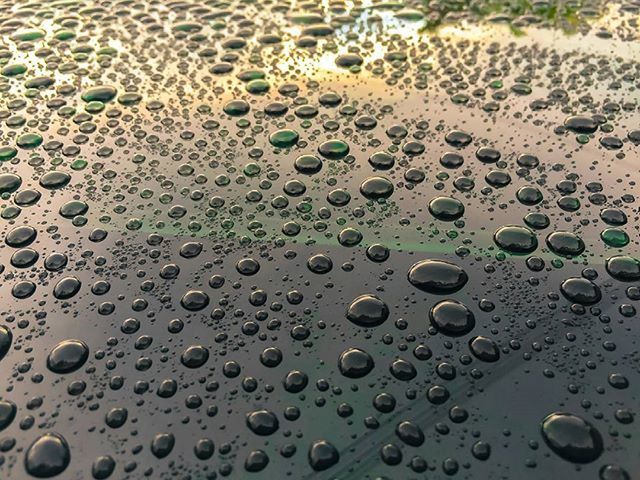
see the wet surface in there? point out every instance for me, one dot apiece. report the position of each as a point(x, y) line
point(319, 241)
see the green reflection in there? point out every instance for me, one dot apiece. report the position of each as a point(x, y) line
point(567, 16)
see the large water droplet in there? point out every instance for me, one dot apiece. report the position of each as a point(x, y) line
point(437, 276)
point(572, 437)
point(47, 456)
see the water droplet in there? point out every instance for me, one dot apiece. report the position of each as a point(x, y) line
point(68, 356)
point(47, 456)
point(437, 276)
point(572, 438)
point(452, 318)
